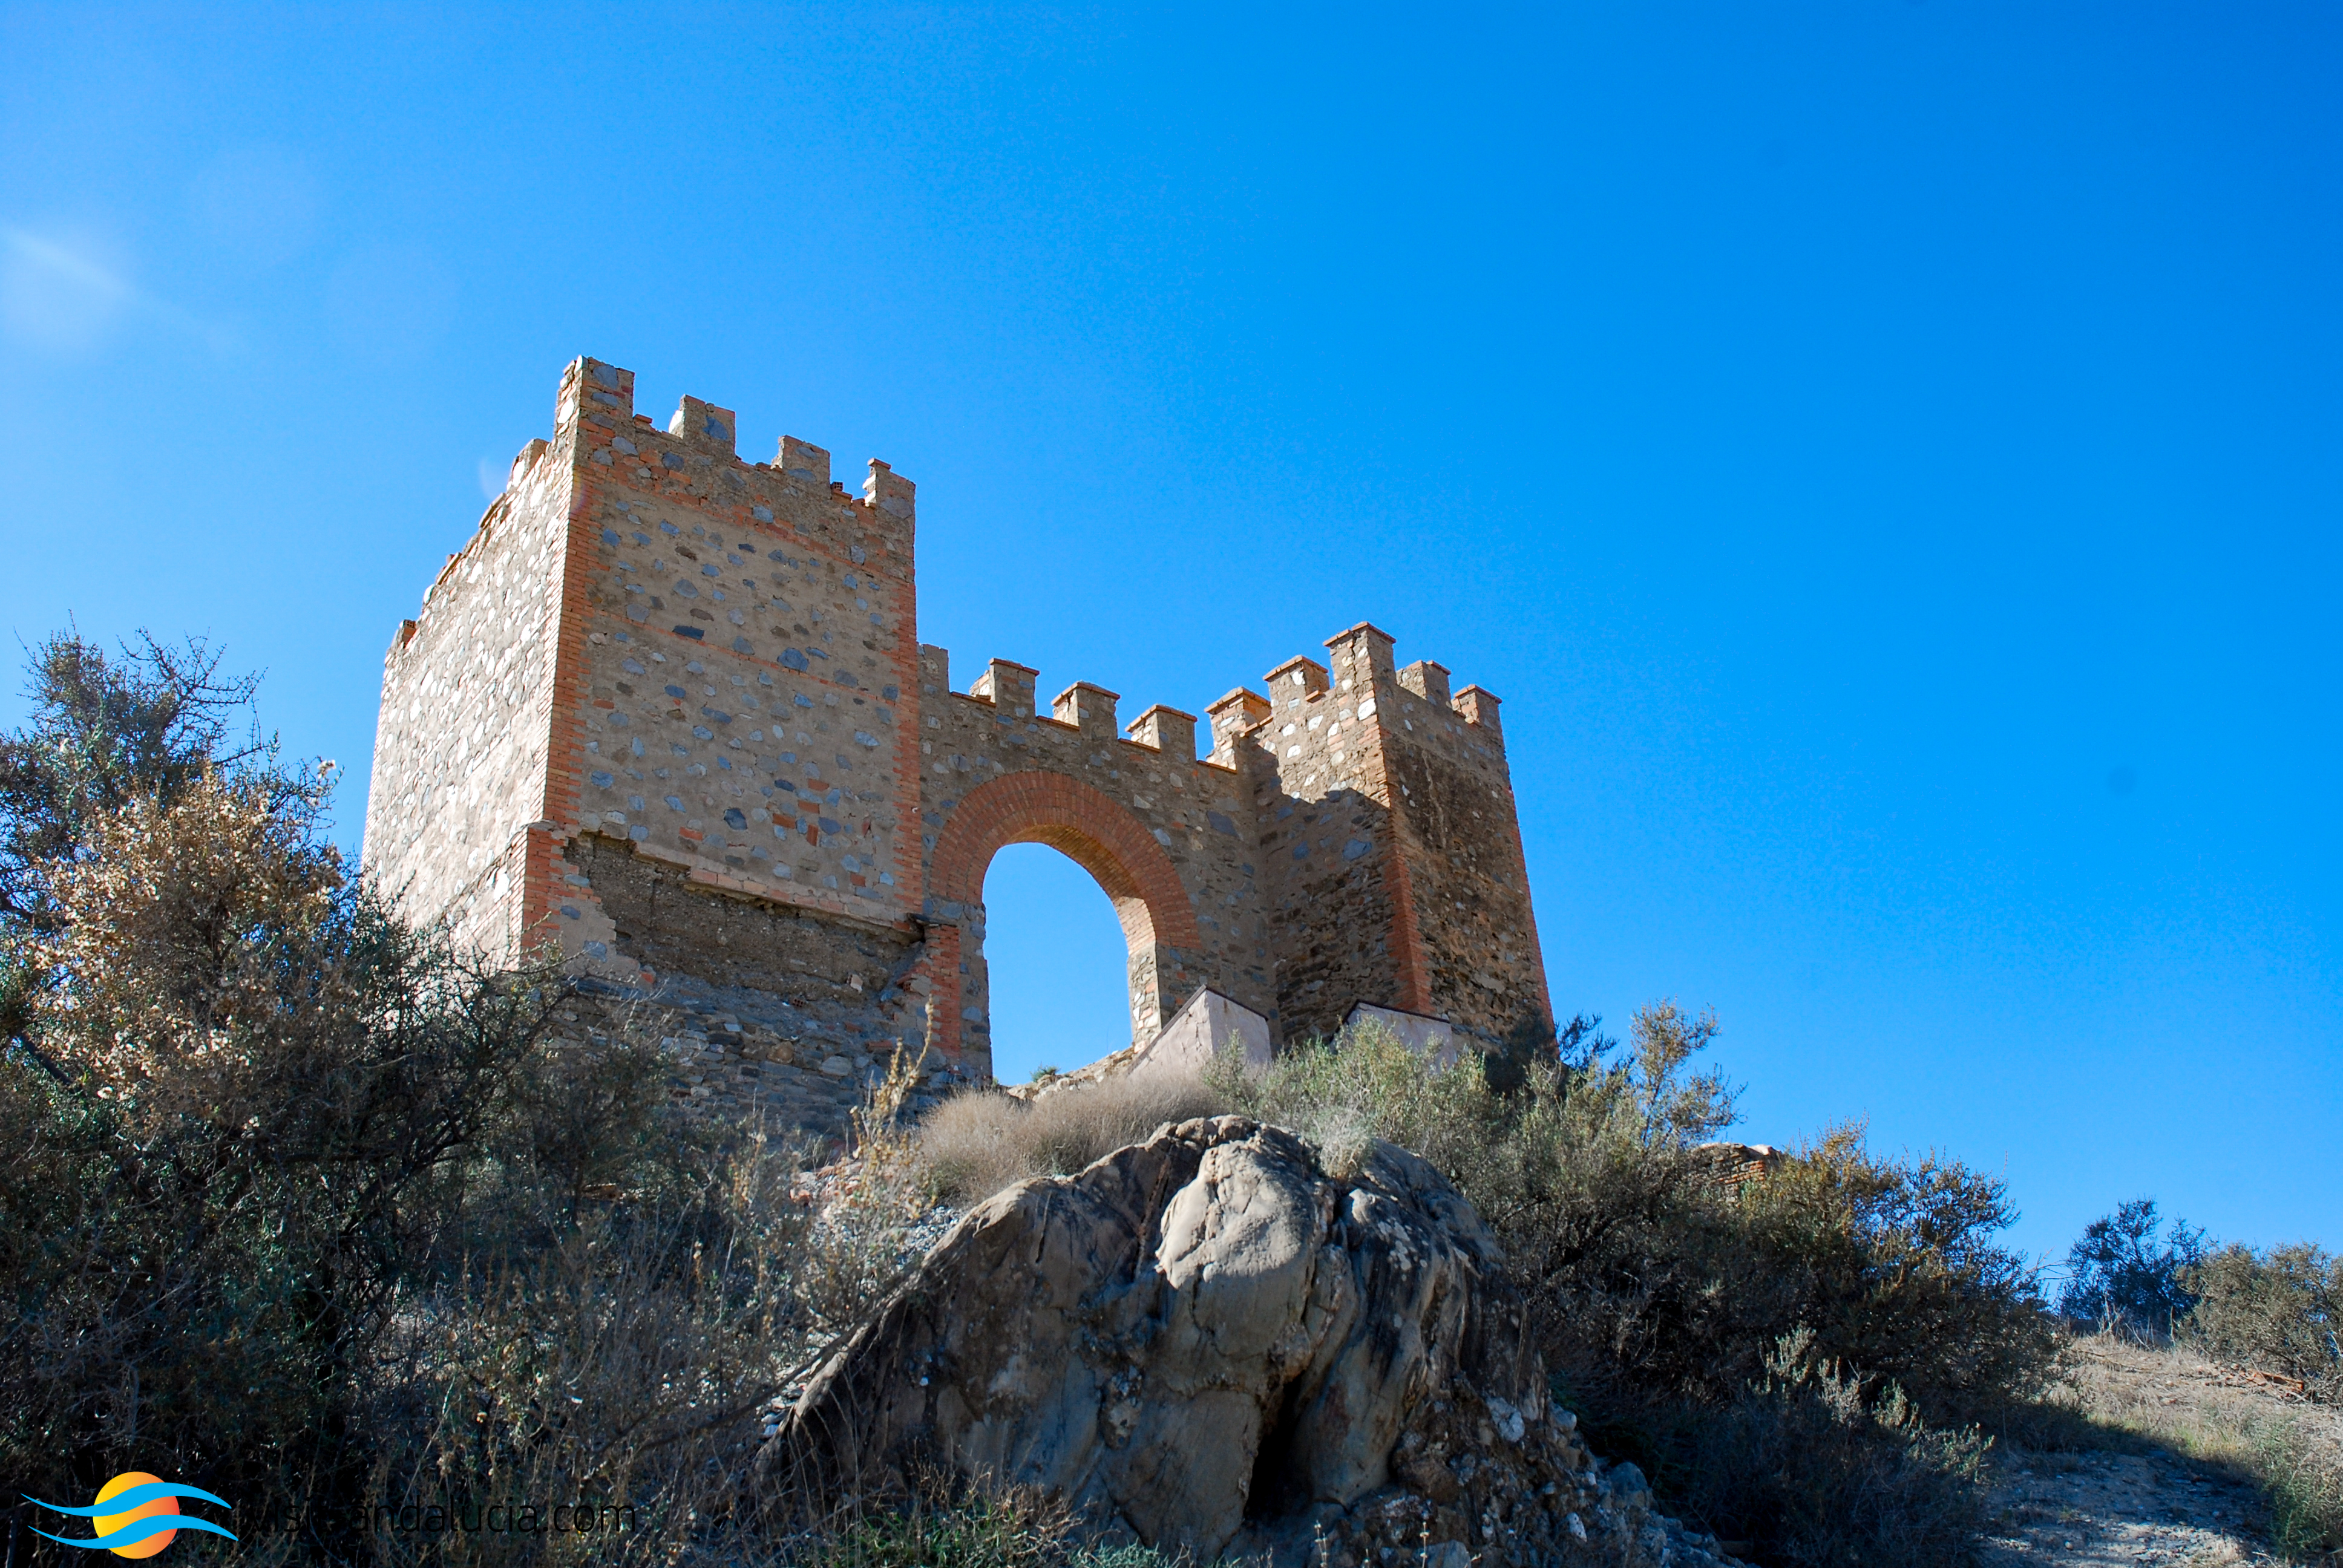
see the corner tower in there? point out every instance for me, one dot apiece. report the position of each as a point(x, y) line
point(1392, 845)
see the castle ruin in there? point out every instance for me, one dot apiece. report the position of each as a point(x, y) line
point(667, 711)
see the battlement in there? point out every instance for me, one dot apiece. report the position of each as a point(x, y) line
point(595, 410)
point(1362, 670)
point(1008, 686)
point(667, 711)
point(1295, 681)
point(1085, 707)
point(1165, 730)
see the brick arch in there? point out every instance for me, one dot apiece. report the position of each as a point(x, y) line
point(1097, 834)
point(1093, 829)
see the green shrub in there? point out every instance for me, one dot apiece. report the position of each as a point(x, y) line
point(2123, 1279)
point(1828, 1469)
point(1894, 1264)
point(1609, 1210)
point(2300, 1467)
point(1661, 1299)
point(2281, 1310)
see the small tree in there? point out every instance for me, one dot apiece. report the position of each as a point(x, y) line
point(108, 729)
point(2280, 1310)
point(105, 730)
point(2122, 1277)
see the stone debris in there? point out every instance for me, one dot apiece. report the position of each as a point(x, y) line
point(1207, 1342)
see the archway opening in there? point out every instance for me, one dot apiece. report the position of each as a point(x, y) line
point(1097, 833)
point(1058, 962)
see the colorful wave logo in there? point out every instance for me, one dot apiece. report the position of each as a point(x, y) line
point(136, 1514)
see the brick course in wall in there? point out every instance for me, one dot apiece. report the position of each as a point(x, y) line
point(668, 713)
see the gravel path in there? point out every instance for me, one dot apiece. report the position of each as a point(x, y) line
point(2105, 1510)
point(2183, 1494)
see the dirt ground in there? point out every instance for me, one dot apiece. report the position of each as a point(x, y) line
point(2178, 1488)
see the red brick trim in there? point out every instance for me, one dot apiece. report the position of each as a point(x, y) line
point(1090, 828)
point(1407, 937)
point(569, 498)
point(941, 966)
point(535, 926)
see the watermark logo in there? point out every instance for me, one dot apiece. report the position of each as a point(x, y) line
point(135, 1515)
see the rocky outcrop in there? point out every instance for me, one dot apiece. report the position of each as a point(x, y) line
point(1208, 1343)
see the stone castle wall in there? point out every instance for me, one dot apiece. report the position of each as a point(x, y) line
point(462, 739)
point(668, 713)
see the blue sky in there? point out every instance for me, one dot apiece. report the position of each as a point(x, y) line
point(1886, 456)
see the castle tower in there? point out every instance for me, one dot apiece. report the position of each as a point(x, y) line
point(668, 715)
point(1391, 846)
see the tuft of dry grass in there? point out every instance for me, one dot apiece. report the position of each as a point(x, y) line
point(977, 1143)
point(1014, 1527)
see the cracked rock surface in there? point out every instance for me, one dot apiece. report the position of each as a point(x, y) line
point(1207, 1342)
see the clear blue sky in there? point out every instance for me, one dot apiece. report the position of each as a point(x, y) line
point(1885, 456)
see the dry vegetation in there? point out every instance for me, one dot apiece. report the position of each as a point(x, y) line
point(2170, 1457)
point(296, 1204)
point(2228, 1356)
point(977, 1144)
point(2246, 1423)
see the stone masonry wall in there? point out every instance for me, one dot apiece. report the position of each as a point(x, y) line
point(1319, 787)
point(1387, 819)
point(1169, 836)
point(461, 739)
point(666, 715)
point(768, 1008)
point(750, 631)
point(1461, 837)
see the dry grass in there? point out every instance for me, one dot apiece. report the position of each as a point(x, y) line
point(975, 1144)
point(2177, 1398)
point(1016, 1528)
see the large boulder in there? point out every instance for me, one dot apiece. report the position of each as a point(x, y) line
point(1207, 1342)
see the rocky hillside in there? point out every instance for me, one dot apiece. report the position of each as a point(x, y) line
point(1208, 1342)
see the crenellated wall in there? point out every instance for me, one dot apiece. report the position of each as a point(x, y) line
point(1170, 838)
point(665, 691)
